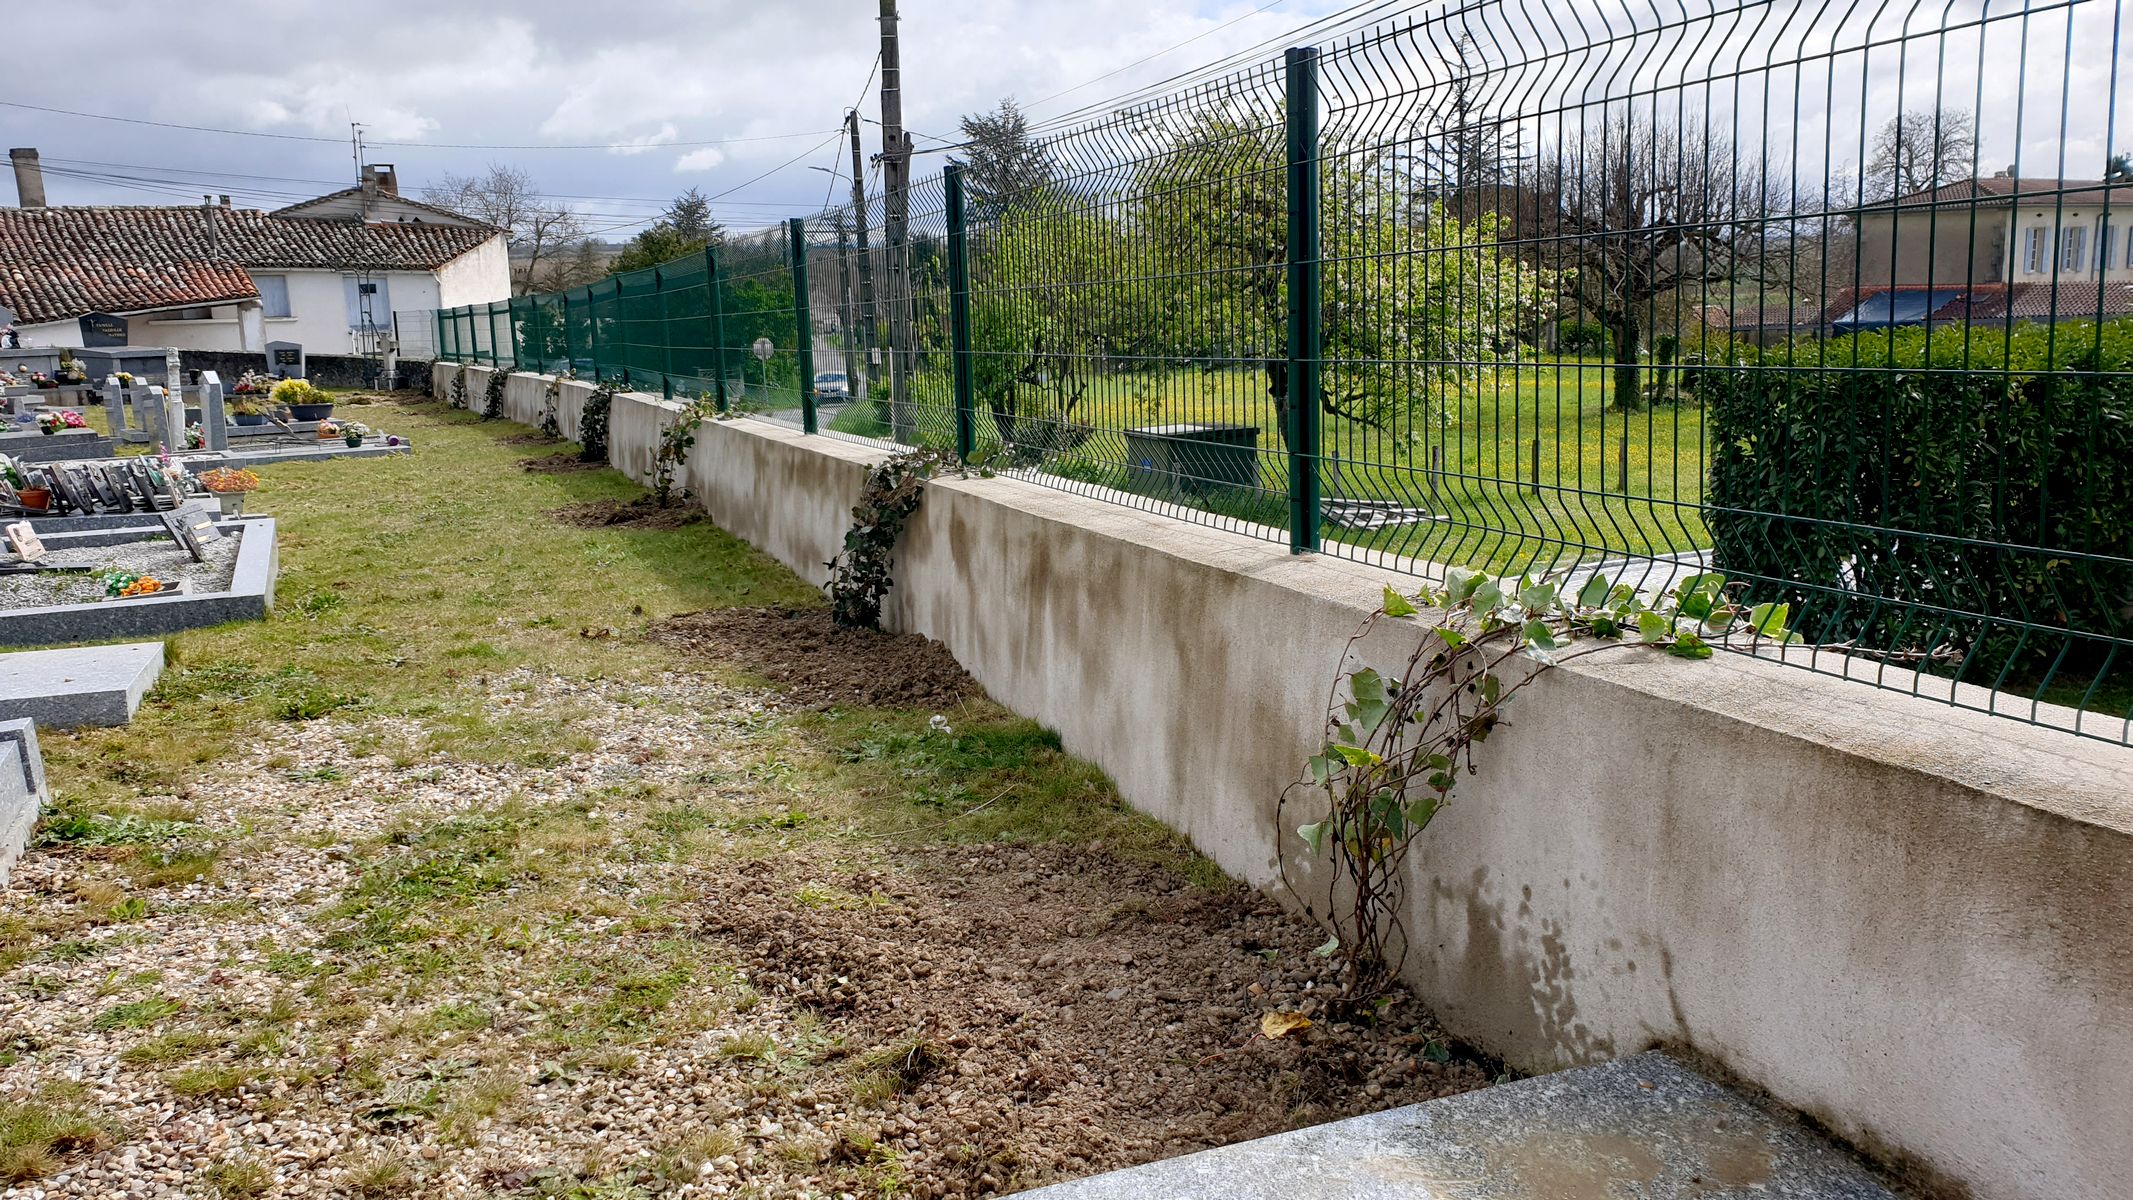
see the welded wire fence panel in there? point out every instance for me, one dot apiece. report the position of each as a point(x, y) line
point(1836, 301)
point(1127, 306)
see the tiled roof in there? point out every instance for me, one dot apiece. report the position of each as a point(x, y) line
point(58, 263)
point(1998, 191)
point(299, 208)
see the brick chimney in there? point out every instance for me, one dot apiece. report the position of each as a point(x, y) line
point(29, 177)
point(379, 178)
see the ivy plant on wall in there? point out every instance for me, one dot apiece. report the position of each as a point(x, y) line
point(1397, 744)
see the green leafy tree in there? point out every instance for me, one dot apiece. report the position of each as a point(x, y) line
point(685, 228)
point(1418, 305)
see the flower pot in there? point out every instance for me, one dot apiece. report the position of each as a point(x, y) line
point(249, 418)
point(353, 439)
point(37, 498)
point(47, 430)
point(232, 503)
point(310, 412)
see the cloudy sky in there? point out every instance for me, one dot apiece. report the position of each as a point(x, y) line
point(704, 93)
point(615, 108)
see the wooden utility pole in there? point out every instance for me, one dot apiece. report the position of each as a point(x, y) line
point(896, 180)
point(869, 315)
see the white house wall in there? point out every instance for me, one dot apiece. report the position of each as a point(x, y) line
point(476, 277)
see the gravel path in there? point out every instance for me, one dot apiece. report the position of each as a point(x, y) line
point(624, 967)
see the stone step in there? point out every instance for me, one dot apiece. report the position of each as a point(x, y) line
point(78, 686)
point(1643, 1128)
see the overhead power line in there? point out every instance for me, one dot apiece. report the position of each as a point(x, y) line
point(304, 137)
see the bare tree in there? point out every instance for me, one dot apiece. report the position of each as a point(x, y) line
point(505, 196)
point(1631, 212)
point(1918, 150)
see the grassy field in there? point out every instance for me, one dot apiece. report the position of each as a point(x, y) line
point(1609, 482)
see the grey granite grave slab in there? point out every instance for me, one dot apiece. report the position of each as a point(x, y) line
point(80, 686)
point(250, 598)
point(1643, 1128)
point(66, 445)
point(22, 790)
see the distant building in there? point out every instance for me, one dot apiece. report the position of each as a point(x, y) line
point(327, 273)
point(1994, 249)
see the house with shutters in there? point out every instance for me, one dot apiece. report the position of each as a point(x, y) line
point(328, 273)
point(2002, 248)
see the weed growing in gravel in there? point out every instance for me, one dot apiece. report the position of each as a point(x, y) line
point(378, 1173)
point(194, 1083)
point(166, 1049)
point(137, 1013)
point(38, 1137)
point(237, 1178)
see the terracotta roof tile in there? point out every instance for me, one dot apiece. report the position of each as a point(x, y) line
point(57, 263)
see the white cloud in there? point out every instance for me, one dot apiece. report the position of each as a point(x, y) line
point(647, 142)
point(702, 159)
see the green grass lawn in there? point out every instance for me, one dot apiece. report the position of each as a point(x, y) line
point(1609, 482)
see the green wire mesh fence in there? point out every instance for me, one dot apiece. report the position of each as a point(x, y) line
point(1836, 301)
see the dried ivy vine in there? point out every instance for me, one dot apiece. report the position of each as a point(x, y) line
point(1397, 745)
point(859, 575)
point(675, 442)
point(458, 397)
point(592, 421)
point(492, 405)
point(551, 402)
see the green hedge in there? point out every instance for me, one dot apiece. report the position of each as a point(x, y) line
point(1880, 479)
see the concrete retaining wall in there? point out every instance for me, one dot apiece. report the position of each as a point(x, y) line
point(1911, 922)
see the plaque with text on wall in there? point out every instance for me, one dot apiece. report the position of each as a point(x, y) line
point(102, 329)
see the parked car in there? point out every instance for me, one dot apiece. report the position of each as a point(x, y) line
point(832, 385)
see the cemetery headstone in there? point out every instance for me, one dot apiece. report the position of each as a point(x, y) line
point(144, 487)
point(186, 526)
point(213, 424)
point(103, 329)
point(72, 484)
point(106, 494)
point(285, 359)
point(24, 541)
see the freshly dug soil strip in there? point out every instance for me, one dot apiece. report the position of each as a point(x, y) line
point(824, 666)
point(636, 514)
point(559, 464)
point(529, 439)
point(1039, 1013)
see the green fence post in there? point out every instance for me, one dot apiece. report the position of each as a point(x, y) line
point(1306, 339)
point(966, 421)
point(715, 303)
point(515, 327)
point(623, 341)
point(804, 320)
point(592, 333)
point(666, 344)
point(437, 345)
point(570, 353)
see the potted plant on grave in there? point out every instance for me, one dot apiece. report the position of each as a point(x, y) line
point(125, 380)
point(250, 408)
point(43, 380)
point(71, 372)
point(195, 438)
point(52, 420)
point(304, 402)
point(250, 382)
point(352, 433)
point(229, 485)
point(32, 497)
